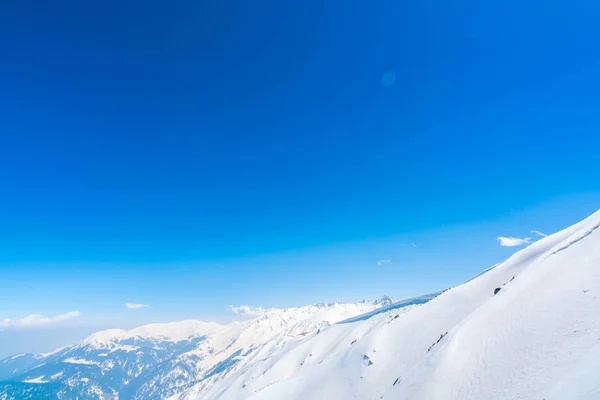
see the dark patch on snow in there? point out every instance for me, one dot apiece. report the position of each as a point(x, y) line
point(441, 337)
point(506, 283)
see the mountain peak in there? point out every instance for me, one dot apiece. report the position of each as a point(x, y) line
point(171, 331)
point(384, 301)
point(414, 348)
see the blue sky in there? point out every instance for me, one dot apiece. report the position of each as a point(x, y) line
point(195, 155)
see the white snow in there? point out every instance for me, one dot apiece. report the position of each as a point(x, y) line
point(537, 338)
point(217, 348)
point(39, 379)
point(172, 331)
point(79, 361)
point(42, 355)
point(123, 347)
point(176, 331)
point(107, 365)
point(527, 328)
point(57, 376)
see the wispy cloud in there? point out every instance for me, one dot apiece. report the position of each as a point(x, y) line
point(511, 241)
point(36, 320)
point(249, 311)
point(542, 234)
point(381, 262)
point(135, 305)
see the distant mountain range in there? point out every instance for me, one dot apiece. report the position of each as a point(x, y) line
point(527, 328)
point(158, 360)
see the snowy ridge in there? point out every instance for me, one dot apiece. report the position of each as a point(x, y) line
point(39, 379)
point(528, 328)
point(393, 306)
point(172, 331)
point(156, 361)
point(42, 355)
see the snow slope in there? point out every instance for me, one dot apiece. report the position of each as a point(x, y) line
point(171, 332)
point(537, 338)
point(157, 360)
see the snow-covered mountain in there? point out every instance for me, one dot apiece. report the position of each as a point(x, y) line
point(527, 328)
point(157, 360)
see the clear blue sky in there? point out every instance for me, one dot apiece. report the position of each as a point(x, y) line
point(195, 154)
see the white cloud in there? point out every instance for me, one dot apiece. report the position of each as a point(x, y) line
point(35, 320)
point(134, 306)
point(511, 241)
point(249, 311)
point(542, 234)
point(381, 262)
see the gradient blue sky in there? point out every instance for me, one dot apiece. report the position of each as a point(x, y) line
point(192, 155)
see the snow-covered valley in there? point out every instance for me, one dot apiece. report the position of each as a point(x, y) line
point(528, 328)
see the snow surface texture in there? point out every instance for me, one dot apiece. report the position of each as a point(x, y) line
point(158, 360)
point(526, 329)
point(537, 338)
